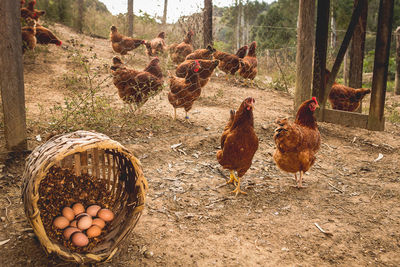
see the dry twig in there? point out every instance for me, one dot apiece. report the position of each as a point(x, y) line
point(322, 230)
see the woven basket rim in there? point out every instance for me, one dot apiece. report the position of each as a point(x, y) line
point(105, 143)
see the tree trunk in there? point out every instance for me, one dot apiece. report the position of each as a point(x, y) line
point(243, 29)
point(207, 23)
point(333, 33)
point(12, 76)
point(357, 49)
point(304, 55)
point(346, 68)
point(164, 18)
point(237, 30)
point(80, 17)
point(397, 77)
point(130, 17)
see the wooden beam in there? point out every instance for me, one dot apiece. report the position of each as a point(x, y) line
point(12, 76)
point(321, 44)
point(345, 118)
point(382, 48)
point(304, 55)
point(357, 49)
point(342, 51)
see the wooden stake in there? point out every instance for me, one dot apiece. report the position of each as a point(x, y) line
point(376, 120)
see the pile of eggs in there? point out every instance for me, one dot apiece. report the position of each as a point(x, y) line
point(79, 225)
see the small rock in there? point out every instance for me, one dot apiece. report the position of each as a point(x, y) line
point(3, 219)
point(207, 128)
point(265, 127)
point(148, 254)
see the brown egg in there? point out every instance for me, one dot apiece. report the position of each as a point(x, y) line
point(84, 222)
point(99, 222)
point(92, 210)
point(93, 231)
point(61, 222)
point(69, 231)
point(106, 215)
point(68, 213)
point(78, 208)
point(74, 223)
point(80, 215)
point(79, 239)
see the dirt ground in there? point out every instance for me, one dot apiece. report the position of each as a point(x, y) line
point(191, 218)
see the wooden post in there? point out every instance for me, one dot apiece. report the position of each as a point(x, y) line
point(397, 77)
point(130, 17)
point(207, 23)
point(305, 39)
point(321, 44)
point(12, 76)
point(339, 58)
point(376, 119)
point(357, 50)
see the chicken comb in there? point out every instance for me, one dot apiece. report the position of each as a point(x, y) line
point(315, 99)
point(197, 66)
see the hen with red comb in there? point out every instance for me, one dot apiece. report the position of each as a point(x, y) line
point(297, 143)
point(239, 143)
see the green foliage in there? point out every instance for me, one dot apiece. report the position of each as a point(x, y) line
point(84, 107)
point(274, 28)
point(228, 20)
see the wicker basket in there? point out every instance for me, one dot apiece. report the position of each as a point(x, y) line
point(103, 158)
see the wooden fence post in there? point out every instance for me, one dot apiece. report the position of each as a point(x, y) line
point(376, 119)
point(321, 45)
point(12, 76)
point(357, 49)
point(304, 55)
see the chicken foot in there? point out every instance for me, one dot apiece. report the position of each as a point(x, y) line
point(237, 190)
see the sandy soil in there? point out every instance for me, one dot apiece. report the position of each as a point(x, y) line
point(191, 218)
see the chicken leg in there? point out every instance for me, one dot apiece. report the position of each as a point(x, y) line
point(174, 114)
point(300, 181)
point(232, 179)
point(237, 190)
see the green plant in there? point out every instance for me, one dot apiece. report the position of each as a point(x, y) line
point(84, 107)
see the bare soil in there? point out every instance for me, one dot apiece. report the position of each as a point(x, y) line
point(191, 218)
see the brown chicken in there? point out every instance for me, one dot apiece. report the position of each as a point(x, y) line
point(206, 53)
point(180, 51)
point(157, 45)
point(343, 97)
point(184, 91)
point(298, 142)
point(45, 36)
point(248, 65)
point(30, 11)
point(229, 63)
point(122, 44)
point(135, 87)
point(154, 68)
point(207, 68)
point(239, 143)
point(29, 35)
